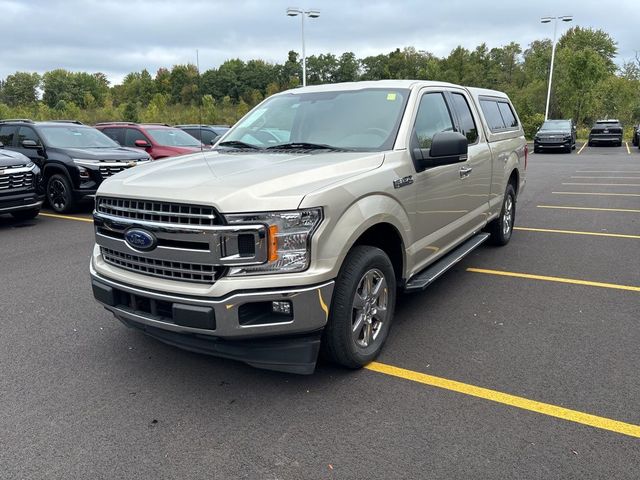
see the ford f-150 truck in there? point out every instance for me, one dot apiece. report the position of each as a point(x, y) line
point(297, 231)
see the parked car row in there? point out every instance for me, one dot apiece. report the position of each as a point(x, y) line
point(561, 135)
point(68, 160)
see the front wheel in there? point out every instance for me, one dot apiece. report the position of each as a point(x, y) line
point(59, 193)
point(502, 227)
point(362, 308)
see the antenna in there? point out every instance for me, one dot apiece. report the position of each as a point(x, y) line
point(201, 99)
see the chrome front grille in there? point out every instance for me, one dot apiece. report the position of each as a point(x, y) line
point(191, 243)
point(14, 181)
point(157, 212)
point(107, 171)
point(191, 272)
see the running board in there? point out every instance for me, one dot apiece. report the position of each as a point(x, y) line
point(427, 276)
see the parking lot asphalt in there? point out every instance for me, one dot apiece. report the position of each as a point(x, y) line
point(536, 334)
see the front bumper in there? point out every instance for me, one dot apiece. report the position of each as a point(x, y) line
point(240, 326)
point(23, 201)
point(551, 144)
point(605, 138)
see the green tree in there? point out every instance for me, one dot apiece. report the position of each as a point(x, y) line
point(21, 88)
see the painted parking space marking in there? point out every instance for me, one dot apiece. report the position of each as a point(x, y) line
point(545, 278)
point(599, 178)
point(594, 209)
point(599, 194)
point(581, 148)
point(607, 171)
point(628, 150)
point(548, 409)
point(67, 217)
point(605, 184)
point(577, 232)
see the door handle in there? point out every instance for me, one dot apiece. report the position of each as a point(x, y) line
point(465, 172)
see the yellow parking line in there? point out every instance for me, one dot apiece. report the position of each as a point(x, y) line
point(572, 281)
point(561, 207)
point(67, 217)
point(598, 193)
point(628, 150)
point(548, 409)
point(606, 184)
point(575, 232)
point(627, 178)
point(582, 148)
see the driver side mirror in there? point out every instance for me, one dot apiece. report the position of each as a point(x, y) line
point(142, 143)
point(32, 144)
point(446, 148)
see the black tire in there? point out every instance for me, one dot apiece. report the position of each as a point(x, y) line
point(59, 194)
point(567, 149)
point(536, 150)
point(341, 342)
point(26, 214)
point(500, 235)
point(573, 146)
point(590, 143)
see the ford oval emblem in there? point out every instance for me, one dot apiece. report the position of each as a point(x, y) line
point(139, 239)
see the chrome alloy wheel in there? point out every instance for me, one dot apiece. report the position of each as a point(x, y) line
point(57, 194)
point(507, 216)
point(369, 308)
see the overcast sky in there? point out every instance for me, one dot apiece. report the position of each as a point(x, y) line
point(121, 36)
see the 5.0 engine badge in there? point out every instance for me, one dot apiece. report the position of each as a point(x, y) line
point(139, 239)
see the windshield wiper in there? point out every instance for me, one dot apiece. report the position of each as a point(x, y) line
point(303, 146)
point(238, 144)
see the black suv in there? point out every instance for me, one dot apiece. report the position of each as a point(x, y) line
point(20, 185)
point(606, 131)
point(635, 140)
point(73, 157)
point(554, 135)
point(207, 134)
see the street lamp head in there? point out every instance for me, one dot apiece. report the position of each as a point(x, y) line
point(566, 18)
point(313, 13)
point(545, 20)
point(293, 11)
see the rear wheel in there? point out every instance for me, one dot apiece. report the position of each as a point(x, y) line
point(362, 308)
point(26, 214)
point(59, 193)
point(502, 227)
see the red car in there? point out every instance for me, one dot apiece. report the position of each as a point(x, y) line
point(158, 140)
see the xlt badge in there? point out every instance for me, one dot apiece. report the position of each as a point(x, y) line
point(403, 182)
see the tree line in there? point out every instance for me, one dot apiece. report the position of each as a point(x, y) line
point(587, 83)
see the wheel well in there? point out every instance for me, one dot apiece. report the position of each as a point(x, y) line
point(386, 237)
point(514, 180)
point(53, 169)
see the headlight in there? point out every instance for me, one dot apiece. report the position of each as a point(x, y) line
point(288, 242)
point(85, 161)
point(30, 165)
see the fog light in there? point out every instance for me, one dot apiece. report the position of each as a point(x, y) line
point(84, 173)
point(281, 307)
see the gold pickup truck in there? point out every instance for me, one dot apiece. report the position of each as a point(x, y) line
point(299, 229)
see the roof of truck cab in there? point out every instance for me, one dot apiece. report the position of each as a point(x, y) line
point(485, 92)
point(390, 84)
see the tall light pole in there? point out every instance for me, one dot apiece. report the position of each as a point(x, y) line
point(564, 18)
point(294, 12)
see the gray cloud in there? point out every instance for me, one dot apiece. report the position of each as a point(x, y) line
point(118, 36)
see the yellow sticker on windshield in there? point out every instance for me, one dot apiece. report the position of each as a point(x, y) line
point(391, 96)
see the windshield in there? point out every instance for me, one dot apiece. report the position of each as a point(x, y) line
point(556, 125)
point(173, 137)
point(365, 119)
point(75, 137)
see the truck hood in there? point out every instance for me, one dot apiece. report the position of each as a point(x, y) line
point(239, 181)
point(106, 154)
point(9, 158)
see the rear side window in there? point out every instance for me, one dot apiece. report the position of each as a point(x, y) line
point(507, 115)
point(467, 125)
point(498, 114)
point(492, 114)
point(114, 134)
point(7, 134)
point(433, 117)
